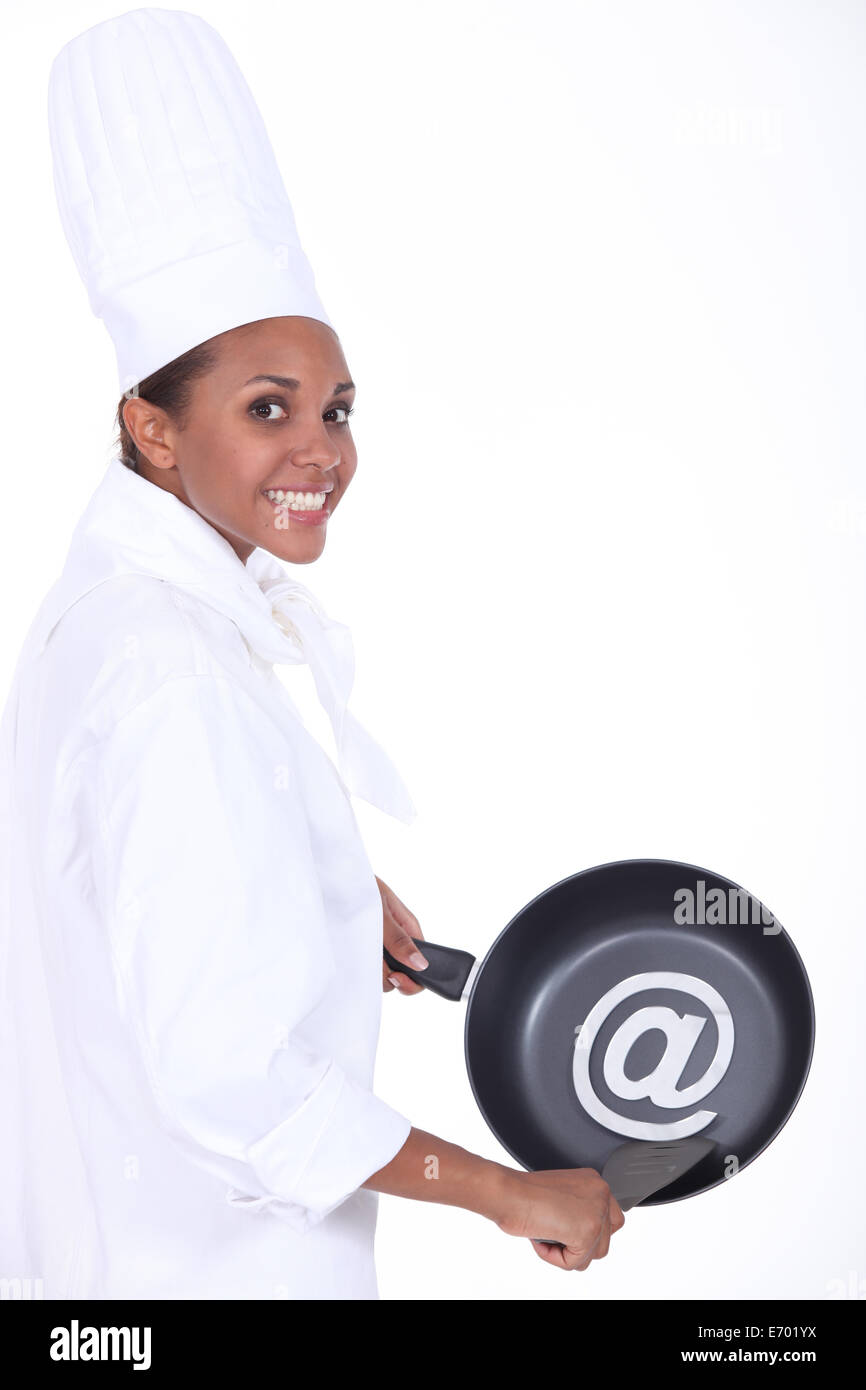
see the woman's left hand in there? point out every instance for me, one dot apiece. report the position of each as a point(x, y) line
point(399, 926)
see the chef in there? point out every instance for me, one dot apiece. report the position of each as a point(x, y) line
point(191, 934)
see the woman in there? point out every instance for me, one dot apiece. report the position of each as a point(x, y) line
point(192, 942)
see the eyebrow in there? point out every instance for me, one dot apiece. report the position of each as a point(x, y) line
point(291, 383)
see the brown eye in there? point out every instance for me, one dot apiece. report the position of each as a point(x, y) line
point(264, 406)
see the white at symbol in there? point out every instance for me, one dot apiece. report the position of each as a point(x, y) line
point(660, 1085)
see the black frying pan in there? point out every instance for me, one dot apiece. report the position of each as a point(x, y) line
point(602, 1014)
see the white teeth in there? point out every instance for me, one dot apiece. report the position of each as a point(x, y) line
point(297, 501)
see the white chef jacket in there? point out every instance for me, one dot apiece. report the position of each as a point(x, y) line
point(190, 940)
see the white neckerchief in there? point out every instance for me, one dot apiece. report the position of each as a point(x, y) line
point(326, 645)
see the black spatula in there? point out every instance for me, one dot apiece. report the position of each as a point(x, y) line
point(641, 1167)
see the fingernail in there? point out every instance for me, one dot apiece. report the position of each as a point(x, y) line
point(417, 961)
point(392, 980)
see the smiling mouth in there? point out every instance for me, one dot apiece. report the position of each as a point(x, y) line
point(297, 501)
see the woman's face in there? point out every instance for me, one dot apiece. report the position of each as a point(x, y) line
point(269, 419)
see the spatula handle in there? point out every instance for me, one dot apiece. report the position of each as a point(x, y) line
point(624, 1205)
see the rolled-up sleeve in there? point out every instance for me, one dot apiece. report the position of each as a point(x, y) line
point(220, 949)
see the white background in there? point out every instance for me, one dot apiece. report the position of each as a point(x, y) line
point(598, 272)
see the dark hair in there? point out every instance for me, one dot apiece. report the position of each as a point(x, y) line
point(169, 388)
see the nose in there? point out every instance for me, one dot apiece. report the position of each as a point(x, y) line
point(318, 449)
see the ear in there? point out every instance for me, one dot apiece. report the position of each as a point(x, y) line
point(151, 431)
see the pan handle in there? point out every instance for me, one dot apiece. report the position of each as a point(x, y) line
point(446, 973)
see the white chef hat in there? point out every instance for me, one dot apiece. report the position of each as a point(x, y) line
point(168, 189)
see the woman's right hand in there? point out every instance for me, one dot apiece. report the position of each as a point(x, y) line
point(574, 1206)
